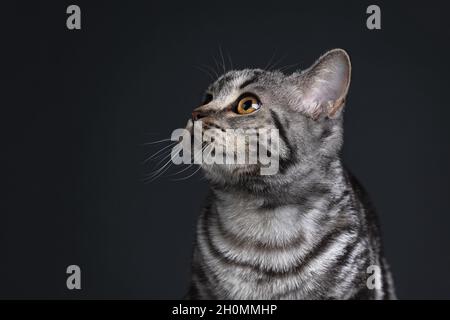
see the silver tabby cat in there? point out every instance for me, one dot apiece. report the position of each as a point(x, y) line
point(307, 232)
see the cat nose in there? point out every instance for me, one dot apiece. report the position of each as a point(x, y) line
point(198, 114)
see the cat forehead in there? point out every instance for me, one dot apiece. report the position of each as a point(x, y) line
point(233, 80)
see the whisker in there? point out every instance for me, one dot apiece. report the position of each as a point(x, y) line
point(205, 71)
point(177, 173)
point(223, 60)
point(230, 60)
point(185, 178)
point(217, 65)
point(160, 172)
point(162, 156)
point(199, 167)
point(168, 154)
point(288, 66)
point(165, 156)
point(190, 165)
point(210, 151)
point(272, 67)
point(158, 152)
point(158, 141)
point(157, 173)
point(211, 69)
point(267, 67)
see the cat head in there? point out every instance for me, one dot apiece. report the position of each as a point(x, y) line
point(305, 107)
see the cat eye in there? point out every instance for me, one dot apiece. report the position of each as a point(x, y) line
point(248, 104)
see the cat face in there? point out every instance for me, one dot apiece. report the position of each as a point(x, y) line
point(305, 107)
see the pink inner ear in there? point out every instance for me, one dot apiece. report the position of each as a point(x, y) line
point(326, 84)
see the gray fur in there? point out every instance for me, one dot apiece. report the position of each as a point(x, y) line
point(308, 232)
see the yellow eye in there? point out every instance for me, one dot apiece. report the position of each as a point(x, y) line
point(248, 105)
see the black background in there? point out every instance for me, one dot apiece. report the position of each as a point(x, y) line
point(78, 105)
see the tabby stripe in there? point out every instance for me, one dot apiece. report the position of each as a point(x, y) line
point(361, 277)
point(336, 202)
point(193, 293)
point(245, 243)
point(385, 285)
point(343, 261)
point(321, 247)
point(285, 163)
point(317, 251)
point(204, 279)
point(249, 81)
point(214, 250)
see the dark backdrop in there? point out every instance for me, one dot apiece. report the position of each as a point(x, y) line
point(78, 105)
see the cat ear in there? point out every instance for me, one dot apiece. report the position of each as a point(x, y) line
point(325, 84)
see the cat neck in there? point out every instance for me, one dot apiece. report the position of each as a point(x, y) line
point(280, 215)
point(296, 187)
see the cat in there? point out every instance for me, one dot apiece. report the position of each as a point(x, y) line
point(307, 232)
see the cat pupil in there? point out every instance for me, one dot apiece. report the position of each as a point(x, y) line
point(247, 105)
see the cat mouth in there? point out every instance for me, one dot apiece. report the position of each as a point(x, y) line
point(228, 152)
point(211, 125)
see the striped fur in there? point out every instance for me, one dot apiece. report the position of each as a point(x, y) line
point(317, 251)
point(308, 232)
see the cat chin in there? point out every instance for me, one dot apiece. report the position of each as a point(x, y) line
point(230, 171)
